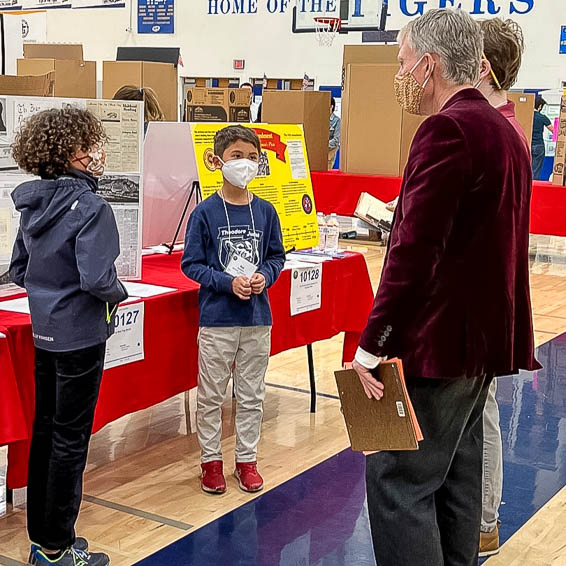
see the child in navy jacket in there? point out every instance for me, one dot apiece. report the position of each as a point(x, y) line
point(64, 257)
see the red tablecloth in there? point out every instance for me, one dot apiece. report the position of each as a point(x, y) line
point(338, 192)
point(170, 364)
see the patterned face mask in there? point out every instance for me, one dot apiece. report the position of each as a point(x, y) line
point(96, 161)
point(409, 92)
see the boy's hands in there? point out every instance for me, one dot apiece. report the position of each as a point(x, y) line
point(258, 283)
point(242, 288)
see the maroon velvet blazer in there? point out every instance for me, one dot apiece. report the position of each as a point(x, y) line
point(454, 297)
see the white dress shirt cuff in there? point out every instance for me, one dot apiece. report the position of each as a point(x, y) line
point(366, 359)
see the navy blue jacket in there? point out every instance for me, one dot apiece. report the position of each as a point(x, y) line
point(209, 247)
point(64, 257)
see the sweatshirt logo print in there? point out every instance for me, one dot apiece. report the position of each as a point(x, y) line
point(241, 241)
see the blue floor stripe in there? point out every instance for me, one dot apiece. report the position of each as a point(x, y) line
point(320, 517)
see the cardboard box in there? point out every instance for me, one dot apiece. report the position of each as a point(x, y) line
point(218, 105)
point(74, 77)
point(161, 77)
point(368, 55)
point(27, 86)
point(559, 172)
point(524, 111)
point(63, 51)
point(310, 108)
point(376, 133)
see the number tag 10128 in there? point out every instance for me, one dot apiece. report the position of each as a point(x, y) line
point(306, 289)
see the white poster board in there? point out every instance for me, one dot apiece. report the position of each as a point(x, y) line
point(169, 171)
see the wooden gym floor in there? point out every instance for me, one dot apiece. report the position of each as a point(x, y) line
point(142, 488)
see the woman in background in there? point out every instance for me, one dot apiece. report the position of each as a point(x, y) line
point(153, 111)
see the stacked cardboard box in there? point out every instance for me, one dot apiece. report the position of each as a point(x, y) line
point(376, 133)
point(309, 108)
point(74, 77)
point(559, 176)
point(218, 105)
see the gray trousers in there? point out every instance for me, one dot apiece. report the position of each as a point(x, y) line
point(492, 462)
point(425, 506)
point(246, 349)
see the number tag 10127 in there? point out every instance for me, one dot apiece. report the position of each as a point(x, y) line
point(126, 344)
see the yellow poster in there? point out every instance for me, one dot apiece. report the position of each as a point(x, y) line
point(283, 178)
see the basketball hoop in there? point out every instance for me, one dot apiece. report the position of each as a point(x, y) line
point(326, 29)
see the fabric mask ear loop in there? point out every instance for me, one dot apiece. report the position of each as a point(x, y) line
point(417, 64)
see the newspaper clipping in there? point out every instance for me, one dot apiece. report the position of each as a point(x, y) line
point(121, 186)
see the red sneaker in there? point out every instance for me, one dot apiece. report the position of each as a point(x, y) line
point(212, 478)
point(248, 476)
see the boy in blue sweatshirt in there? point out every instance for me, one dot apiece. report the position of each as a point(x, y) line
point(64, 256)
point(234, 249)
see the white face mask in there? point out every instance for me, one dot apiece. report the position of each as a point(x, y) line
point(239, 172)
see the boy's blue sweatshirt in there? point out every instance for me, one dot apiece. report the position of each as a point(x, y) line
point(209, 247)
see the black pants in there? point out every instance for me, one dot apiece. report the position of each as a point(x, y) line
point(66, 392)
point(425, 506)
point(538, 152)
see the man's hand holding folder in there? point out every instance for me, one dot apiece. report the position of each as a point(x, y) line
point(378, 411)
point(372, 387)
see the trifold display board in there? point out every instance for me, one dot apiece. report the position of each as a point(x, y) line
point(121, 185)
point(284, 177)
point(177, 154)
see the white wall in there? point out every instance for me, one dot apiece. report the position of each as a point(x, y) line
point(209, 43)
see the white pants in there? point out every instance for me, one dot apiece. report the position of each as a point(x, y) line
point(492, 462)
point(219, 349)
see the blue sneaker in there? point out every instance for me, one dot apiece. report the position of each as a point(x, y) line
point(73, 557)
point(80, 544)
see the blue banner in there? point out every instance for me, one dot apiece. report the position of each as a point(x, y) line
point(156, 16)
point(563, 40)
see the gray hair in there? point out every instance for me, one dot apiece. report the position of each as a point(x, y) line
point(454, 36)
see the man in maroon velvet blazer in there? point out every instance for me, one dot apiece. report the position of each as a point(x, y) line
point(453, 302)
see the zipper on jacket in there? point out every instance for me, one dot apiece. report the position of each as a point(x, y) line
point(110, 313)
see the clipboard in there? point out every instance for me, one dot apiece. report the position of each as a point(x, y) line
point(387, 424)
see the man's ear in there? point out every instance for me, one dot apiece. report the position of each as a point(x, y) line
point(485, 69)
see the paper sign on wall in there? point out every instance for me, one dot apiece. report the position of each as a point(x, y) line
point(283, 178)
point(126, 344)
point(306, 289)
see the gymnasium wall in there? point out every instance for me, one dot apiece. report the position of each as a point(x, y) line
point(259, 31)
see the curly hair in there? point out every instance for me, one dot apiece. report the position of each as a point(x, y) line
point(503, 47)
point(48, 140)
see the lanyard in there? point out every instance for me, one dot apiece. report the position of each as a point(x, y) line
point(254, 240)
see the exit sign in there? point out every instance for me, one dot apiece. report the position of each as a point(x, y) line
point(239, 64)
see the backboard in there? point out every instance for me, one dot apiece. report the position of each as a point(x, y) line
point(356, 15)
